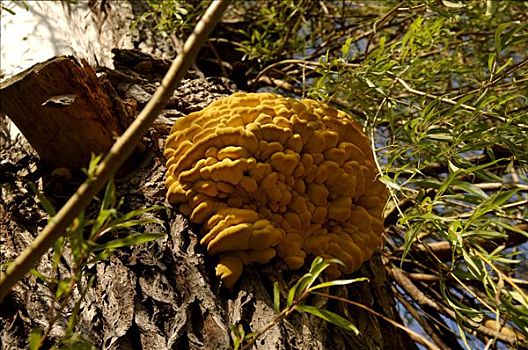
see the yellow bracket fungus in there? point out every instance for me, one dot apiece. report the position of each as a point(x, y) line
point(268, 175)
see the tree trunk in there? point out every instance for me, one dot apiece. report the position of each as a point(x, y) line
point(164, 294)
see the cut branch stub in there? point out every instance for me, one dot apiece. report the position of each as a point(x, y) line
point(63, 110)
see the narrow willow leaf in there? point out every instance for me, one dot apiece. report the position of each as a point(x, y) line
point(477, 271)
point(461, 332)
point(46, 204)
point(131, 223)
point(501, 68)
point(315, 272)
point(502, 197)
point(345, 49)
point(522, 299)
point(491, 62)
point(101, 221)
point(453, 4)
point(63, 288)
point(57, 251)
point(276, 297)
point(511, 228)
point(39, 275)
point(109, 196)
point(507, 261)
point(76, 236)
point(76, 342)
point(329, 316)
point(237, 335)
point(471, 189)
point(338, 283)
point(134, 213)
point(390, 183)
point(133, 239)
point(483, 234)
point(294, 290)
point(34, 339)
point(92, 166)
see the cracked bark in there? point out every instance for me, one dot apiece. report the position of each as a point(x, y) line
point(164, 294)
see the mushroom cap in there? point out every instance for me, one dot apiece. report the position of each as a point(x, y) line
point(268, 175)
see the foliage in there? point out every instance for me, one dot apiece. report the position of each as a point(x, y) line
point(173, 16)
point(441, 88)
point(295, 302)
point(8, 6)
point(89, 241)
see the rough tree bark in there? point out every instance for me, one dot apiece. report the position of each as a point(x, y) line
point(163, 294)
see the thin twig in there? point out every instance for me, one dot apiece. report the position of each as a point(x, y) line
point(426, 325)
point(424, 301)
point(415, 336)
point(303, 63)
point(119, 152)
point(498, 77)
point(380, 22)
point(521, 292)
point(450, 101)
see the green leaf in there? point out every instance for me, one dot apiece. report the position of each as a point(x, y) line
point(46, 204)
point(491, 6)
point(294, 290)
point(57, 251)
point(101, 221)
point(471, 189)
point(134, 213)
point(491, 62)
point(237, 335)
point(345, 49)
point(521, 299)
point(35, 338)
point(502, 197)
point(127, 224)
point(63, 288)
point(318, 266)
point(501, 68)
point(109, 196)
point(329, 316)
point(511, 228)
point(452, 167)
point(75, 342)
point(390, 183)
point(483, 234)
point(78, 244)
point(477, 271)
point(452, 4)
point(276, 297)
point(133, 239)
point(338, 283)
point(39, 275)
point(92, 166)
point(461, 331)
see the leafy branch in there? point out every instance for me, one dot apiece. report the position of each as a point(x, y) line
point(88, 241)
point(295, 302)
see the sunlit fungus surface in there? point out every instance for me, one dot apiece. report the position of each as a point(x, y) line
point(271, 176)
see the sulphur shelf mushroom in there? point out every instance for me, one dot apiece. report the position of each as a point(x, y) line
point(271, 176)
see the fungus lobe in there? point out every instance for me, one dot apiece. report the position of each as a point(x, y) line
point(268, 175)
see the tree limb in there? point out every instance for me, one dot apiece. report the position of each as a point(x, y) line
point(119, 152)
